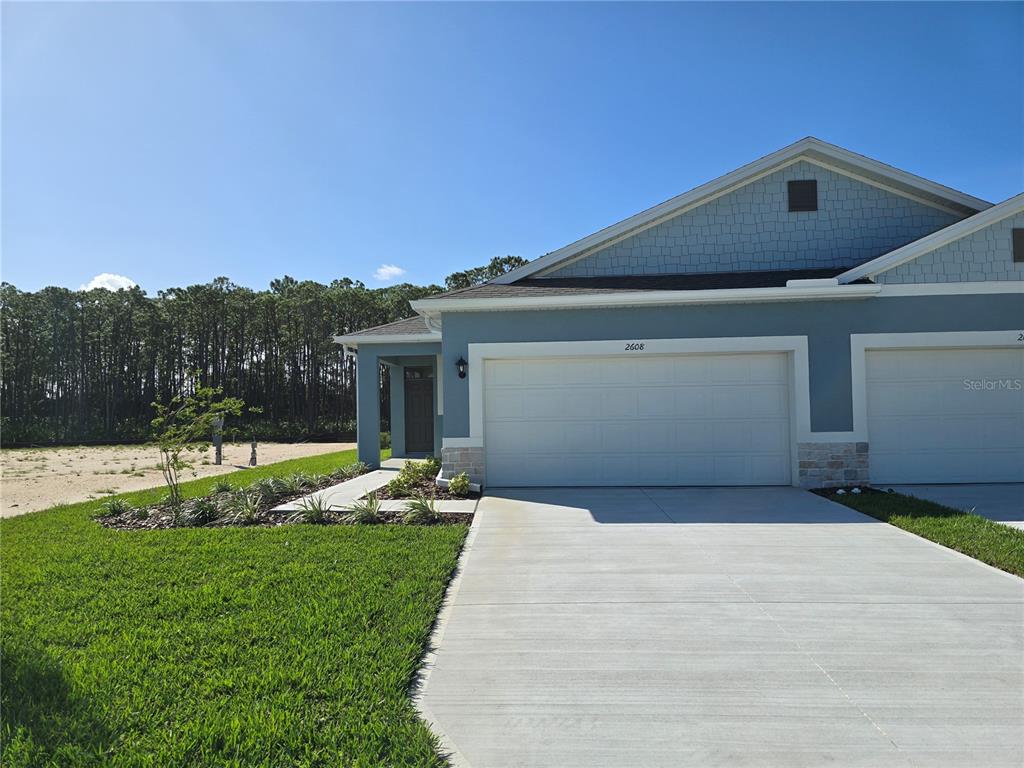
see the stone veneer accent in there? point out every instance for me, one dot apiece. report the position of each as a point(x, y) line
point(468, 460)
point(827, 465)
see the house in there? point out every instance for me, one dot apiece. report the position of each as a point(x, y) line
point(813, 318)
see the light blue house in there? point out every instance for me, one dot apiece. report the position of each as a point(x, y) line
point(812, 318)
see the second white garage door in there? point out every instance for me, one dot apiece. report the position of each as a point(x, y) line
point(946, 415)
point(657, 420)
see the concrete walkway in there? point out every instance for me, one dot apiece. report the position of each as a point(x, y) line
point(720, 627)
point(1002, 502)
point(341, 495)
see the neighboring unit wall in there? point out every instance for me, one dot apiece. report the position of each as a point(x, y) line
point(752, 229)
point(984, 255)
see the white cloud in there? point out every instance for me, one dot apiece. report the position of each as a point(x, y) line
point(109, 281)
point(388, 272)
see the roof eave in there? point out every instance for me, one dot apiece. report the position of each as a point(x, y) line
point(796, 292)
point(355, 339)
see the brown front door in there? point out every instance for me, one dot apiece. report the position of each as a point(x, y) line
point(419, 415)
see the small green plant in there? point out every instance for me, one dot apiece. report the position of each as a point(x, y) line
point(140, 513)
point(292, 485)
point(313, 509)
point(223, 486)
point(459, 485)
point(349, 471)
point(115, 507)
point(245, 508)
point(421, 511)
point(319, 480)
point(399, 486)
point(365, 511)
point(266, 488)
point(204, 512)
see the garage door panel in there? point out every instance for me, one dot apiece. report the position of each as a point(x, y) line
point(927, 424)
point(690, 370)
point(668, 420)
point(692, 401)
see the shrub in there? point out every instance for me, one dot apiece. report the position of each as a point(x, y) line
point(223, 486)
point(141, 513)
point(385, 440)
point(114, 507)
point(266, 488)
point(341, 474)
point(431, 466)
point(313, 509)
point(204, 511)
point(421, 511)
point(365, 511)
point(245, 507)
point(291, 485)
point(399, 486)
point(459, 485)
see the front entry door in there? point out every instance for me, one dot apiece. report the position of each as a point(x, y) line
point(419, 411)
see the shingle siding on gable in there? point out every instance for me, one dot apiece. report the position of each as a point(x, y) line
point(752, 229)
point(984, 255)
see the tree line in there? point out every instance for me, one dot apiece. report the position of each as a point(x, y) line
point(88, 365)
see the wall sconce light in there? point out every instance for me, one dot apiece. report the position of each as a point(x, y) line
point(461, 366)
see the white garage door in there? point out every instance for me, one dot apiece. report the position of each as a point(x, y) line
point(656, 420)
point(945, 415)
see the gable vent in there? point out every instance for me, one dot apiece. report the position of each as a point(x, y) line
point(803, 195)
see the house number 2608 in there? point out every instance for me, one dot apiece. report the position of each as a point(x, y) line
point(635, 346)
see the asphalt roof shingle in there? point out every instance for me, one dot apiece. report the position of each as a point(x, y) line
point(570, 286)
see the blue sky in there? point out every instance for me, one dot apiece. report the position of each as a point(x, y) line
point(172, 143)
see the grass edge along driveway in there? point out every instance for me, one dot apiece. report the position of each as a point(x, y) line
point(1001, 546)
point(280, 646)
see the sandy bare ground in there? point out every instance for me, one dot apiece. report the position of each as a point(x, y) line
point(39, 478)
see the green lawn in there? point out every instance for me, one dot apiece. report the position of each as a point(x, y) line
point(205, 647)
point(988, 541)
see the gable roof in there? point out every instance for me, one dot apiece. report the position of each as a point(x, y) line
point(407, 330)
point(810, 149)
point(935, 240)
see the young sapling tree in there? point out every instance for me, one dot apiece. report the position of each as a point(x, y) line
point(185, 424)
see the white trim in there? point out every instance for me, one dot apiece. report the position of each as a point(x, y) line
point(355, 339)
point(648, 298)
point(951, 289)
point(439, 383)
point(795, 346)
point(819, 282)
point(861, 343)
point(935, 240)
point(462, 442)
point(891, 189)
point(809, 148)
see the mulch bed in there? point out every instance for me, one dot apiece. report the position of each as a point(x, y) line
point(831, 493)
point(162, 516)
point(425, 487)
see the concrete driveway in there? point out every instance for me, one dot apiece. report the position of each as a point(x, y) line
point(720, 627)
point(1002, 502)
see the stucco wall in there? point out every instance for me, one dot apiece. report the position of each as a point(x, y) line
point(984, 255)
point(752, 229)
point(827, 325)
